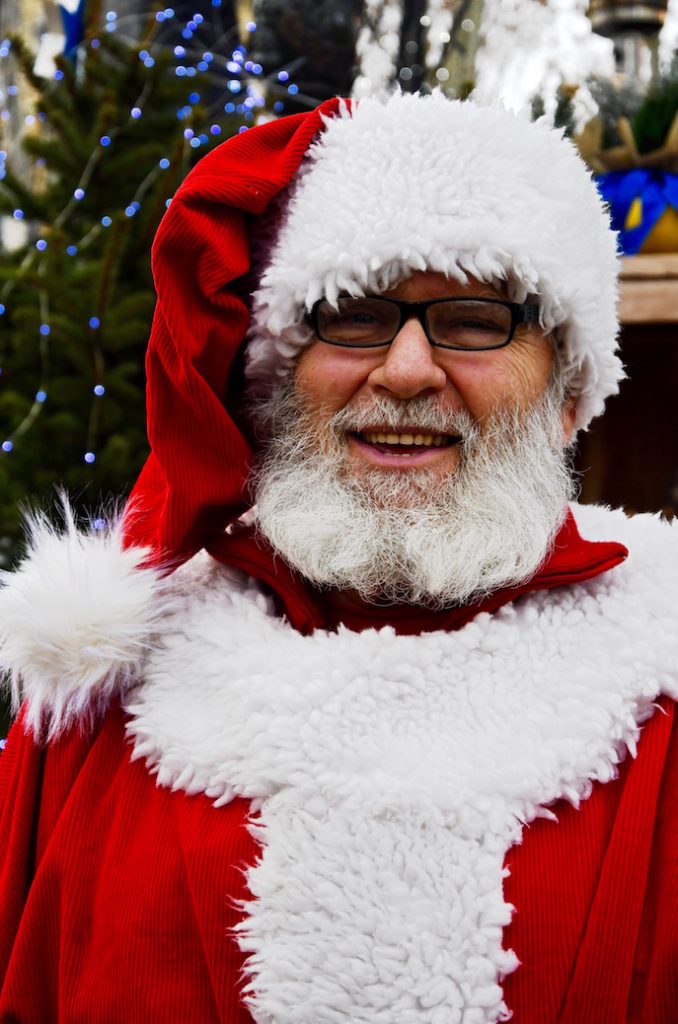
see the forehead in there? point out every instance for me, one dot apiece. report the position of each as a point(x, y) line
point(428, 284)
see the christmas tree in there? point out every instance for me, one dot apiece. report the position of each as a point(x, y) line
point(118, 128)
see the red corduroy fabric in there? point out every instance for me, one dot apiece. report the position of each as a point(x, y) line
point(117, 897)
point(128, 916)
point(194, 481)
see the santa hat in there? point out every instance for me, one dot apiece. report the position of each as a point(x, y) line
point(425, 183)
point(369, 193)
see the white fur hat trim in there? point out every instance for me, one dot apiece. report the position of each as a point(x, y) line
point(423, 182)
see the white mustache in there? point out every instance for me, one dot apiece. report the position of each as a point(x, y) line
point(424, 413)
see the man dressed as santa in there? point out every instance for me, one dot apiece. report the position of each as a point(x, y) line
point(354, 717)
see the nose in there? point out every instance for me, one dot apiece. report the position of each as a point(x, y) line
point(408, 367)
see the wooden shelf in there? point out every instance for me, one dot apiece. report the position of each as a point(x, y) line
point(649, 289)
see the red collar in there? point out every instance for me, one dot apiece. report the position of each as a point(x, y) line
point(572, 560)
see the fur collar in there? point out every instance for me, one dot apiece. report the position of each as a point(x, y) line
point(389, 775)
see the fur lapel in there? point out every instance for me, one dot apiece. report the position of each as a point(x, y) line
point(389, 775)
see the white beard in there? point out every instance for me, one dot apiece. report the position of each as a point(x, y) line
point(408, 537)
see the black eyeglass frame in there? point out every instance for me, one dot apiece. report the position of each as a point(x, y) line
point(521, 313)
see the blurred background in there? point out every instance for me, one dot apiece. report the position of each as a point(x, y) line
point(105, 106)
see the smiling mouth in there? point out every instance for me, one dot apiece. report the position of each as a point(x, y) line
point(406, 442)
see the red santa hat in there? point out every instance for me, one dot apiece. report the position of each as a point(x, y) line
point(368, 193)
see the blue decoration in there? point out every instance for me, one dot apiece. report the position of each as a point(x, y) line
point(656, 190)
point(73, 21)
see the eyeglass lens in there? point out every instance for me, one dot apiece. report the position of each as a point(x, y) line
point(465, 323)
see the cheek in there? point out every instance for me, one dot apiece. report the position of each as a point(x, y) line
point(324, 377)
point(507, 379)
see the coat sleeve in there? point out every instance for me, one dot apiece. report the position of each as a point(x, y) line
point(34, 785)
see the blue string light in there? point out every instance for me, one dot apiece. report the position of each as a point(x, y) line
point(79, 193)
point(99, 390)
point(149, 62)
point(188, 133)
point(71, 250)
point(2, 309)
point(198, 19)
point(94, 322)
point(99, 524)
point(251, 26)
point(40, 396)
point(41, 245)
point(195, 143)
point(95, 44)
point(164, 163)
point(293, 89)
point(135, 113)
point(106, 222)
point(215, 129)
point(7, 446)
point(89, 457)
point(194, 97)
point(105, 140)
point(45, 330)
point(18, 215)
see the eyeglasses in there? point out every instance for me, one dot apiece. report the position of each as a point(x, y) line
point(459, 323)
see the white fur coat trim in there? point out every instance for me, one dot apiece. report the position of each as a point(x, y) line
point(76, 621)
point(390, 774)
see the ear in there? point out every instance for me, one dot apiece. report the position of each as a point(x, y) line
point(568, 413)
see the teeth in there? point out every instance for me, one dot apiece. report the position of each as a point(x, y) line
point(426, 440)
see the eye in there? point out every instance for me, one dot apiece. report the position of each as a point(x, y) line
point(469, 323)
point(357, 320)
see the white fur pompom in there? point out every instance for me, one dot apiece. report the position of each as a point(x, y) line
point(76, 618)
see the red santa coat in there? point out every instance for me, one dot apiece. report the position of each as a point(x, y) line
point(127, 895)
point(120, 896)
